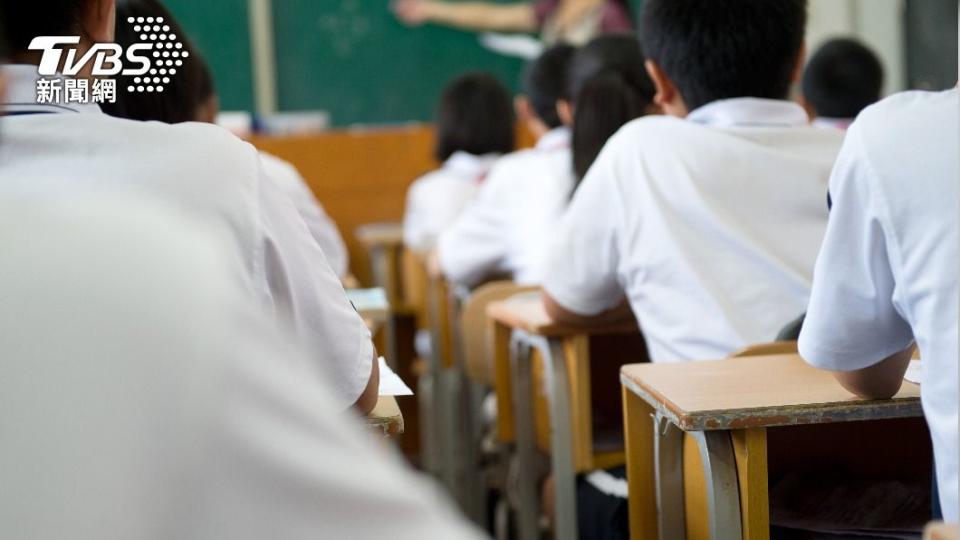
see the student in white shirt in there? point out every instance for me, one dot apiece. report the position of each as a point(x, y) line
point(191, 96)
point(474, 127)
point(706, 221)
point(145, 396)
point(886, 276)
point(499, 232)
point(841, 79)
point(64, 149)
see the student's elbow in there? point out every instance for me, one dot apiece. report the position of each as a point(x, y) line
point(371, 393)
point(869, 387)
point(560, 314)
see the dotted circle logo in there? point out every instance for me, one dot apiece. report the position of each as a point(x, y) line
point(167, 56)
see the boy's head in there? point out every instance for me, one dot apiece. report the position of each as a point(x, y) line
point(92, 20)
point(842, 78)
point(700, 51)
point(543, 85)
point(475, 116)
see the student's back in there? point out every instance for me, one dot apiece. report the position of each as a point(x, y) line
point(474, 127)
point(710, 224)
point(888, 271)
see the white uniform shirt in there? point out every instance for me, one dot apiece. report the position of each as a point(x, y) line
point(436, 199)
point(710, 224)
point(61, 151)
point(506, 228)
point(887, 273)
point(144, 396)
point(323, 229)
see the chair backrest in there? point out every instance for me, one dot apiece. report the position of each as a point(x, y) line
point(476, 352)
point(763, 349)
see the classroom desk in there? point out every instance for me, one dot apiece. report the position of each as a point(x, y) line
point(726, 408)
point(386, 419)
point(522, 330)
point(942, 531)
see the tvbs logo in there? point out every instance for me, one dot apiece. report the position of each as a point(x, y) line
point(150, 63)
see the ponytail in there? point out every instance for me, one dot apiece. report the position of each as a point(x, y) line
point(604, 104)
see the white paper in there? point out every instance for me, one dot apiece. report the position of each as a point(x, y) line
point(519, 45)
point(913, 372)
point(390, 383)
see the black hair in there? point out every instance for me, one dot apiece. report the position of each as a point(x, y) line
point(608, 87)
point(842, 79)
point(475, 116)
point(721, 49)
point(544, 82)
point(186, 91)
point(27, 19)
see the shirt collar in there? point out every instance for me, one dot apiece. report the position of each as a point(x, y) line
point(746, 112)
point(22, 94)
point(470, 165)
point(555, 139)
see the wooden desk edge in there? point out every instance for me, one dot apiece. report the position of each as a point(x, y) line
point(386, 416)
point(718, 420)
point(942, 531)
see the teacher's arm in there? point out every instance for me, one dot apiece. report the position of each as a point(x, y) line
point(469, 15)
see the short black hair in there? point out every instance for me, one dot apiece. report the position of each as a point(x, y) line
point(27, 19)
point(183, 95)
point(842, 78)
point(544, 82)
point(608, 87)
point(475, 116)
point(721, 49)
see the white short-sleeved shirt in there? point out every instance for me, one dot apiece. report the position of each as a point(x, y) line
point(709, 224)
point(887, 273)
point(436, 199)
point(323, 229)
point(506, 228)
point(62, 150)
point(145, 396)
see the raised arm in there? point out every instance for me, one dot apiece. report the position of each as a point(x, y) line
point(518, 17)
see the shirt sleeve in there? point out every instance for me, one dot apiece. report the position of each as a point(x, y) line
point(582, 265)
point(305, 289)
point(852, 321)
point(475, 246)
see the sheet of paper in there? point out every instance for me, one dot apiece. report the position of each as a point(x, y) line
point(519, 45)
point(913, 372)
point(390, 383)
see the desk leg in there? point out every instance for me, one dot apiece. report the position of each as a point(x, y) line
point(750, 450)
point(720, 472)
point(638, 434)
point(561, 451)
point(528, 517)
point(668, 459)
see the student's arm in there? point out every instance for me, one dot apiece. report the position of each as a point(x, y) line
point(879, 381)
point(518, 17)
point(853, 325)
point(368, 399)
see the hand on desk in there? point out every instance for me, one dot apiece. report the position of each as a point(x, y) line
point(622, 314)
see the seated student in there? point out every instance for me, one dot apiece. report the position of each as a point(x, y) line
point(65, 148)
point(495, 233)
point(708, 219)
point(191, 96)
point(474, 126)
point(842, 78)
point(886, 276)
point(506, 230)
point(146, 396)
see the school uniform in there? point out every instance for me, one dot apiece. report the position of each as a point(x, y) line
point(887, 273)
point(506, 229)
point(435, 200)
point(145, 395)
point(832, 123)
point(66, 150)
point(709, 226)
point(323, 229)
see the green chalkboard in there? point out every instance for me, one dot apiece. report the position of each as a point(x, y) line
point(221, 31)
point(348, 57)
